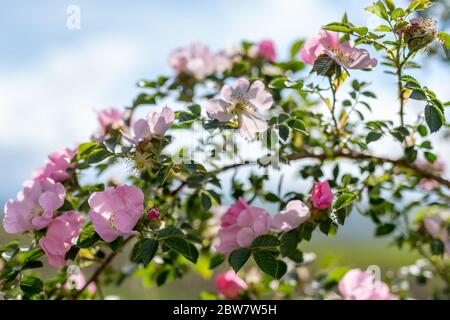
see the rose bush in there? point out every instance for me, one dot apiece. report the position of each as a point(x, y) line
point(167, 215)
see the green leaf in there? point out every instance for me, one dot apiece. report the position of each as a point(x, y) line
point(434, 117)
point(169, 232)
point(379, 10)
point(265, 241)
point(31, 285)
point(238, 258)
point(283, 131)
point(163, 173)
point(322, 65)
point(373, 136)
point(437, 247)
point(431, 157)
point(383, 28)
point(216, 260)
point(397, 13)
point(85, 148)
point(445, 39)
point(206, 200)
point(269, 264)
point(148, 250)
point(337, 27)
point(423, 131)
point(344, 200)
point(418, 94)
point(297, 125)
point(183, 247)
point(98, 155)
point(88, 236)
point(418, 5)
point(296, 48)
point(384, 229)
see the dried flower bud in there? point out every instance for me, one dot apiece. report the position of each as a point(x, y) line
point(419, 33)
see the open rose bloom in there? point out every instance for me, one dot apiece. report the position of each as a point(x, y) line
point(110, 118)
point(56, 166)
point(242, 101)
point(361, 285)
point(295, 214)
point(115, 211)
point(249, 224)
point(196, 60)
point(344, 54)
point(34, 207)
point(229, 285)
point(60, 236)
point(156, 124)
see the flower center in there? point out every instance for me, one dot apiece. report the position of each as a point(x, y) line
point(112, 222)
point(344, 57)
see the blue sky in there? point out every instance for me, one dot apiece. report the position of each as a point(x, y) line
point(52, 78)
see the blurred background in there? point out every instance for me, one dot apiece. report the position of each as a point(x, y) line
point(52, 79)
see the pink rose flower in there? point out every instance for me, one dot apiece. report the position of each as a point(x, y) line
point(361, 285)
point(157, 124)
point(222, 61)
point(229, 285)
point(153, 214)
point(322, 196)
point(56, 166)
point(242, 101)
point(251, 223)
point(344, 54)
point(115, 211)
point(196, 60)
point(315, 47)
point(295, 214)
point(77, 281)
point(110, 118)
point(35, 206)
point(231, 215)
point(60, 235)
point(350, 57)
point(266, 49)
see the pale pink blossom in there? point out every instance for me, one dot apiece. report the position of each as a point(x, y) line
point(77, 281)
point(60, 236)
point(231, 215)
point(242, 101)
point(266, 49)
point(153, 214)
point(116, 211)
point(322, 196)
point(315, 47)
point(56, 166)
point(361, 285)
point(223, 61)
point(34, 207)
point(229, 285)
point(157, 123)
point(295, 214)
point(110, 118)
point(350, 57)
point(344, 54)
point(251, 223)
point(196, 60)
